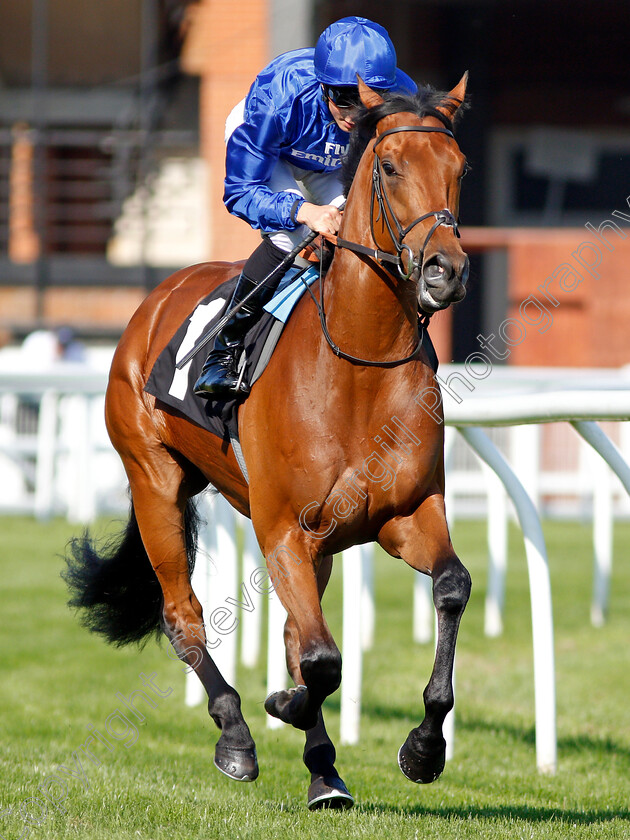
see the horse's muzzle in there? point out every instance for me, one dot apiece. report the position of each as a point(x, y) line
point(441, 283)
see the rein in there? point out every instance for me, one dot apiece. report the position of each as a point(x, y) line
point(378, 193)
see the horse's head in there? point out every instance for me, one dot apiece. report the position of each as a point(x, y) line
point(416, 170)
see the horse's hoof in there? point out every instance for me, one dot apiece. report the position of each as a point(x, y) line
point(422, 768)
point(329, 792)
point(289, 706)
point(238, 763)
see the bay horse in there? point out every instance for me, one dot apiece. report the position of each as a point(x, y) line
point(308, 432)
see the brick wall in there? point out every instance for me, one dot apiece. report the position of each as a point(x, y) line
point(227, 45)
point(586, 300)
point(567, 290)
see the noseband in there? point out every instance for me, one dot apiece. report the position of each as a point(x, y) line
point(385, 211)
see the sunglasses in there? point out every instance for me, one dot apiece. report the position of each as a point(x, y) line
point(343, 97)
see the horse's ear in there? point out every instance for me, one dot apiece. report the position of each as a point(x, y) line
point(369, 97)
point(452, 101)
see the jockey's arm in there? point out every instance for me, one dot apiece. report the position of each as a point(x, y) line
point(253, 151)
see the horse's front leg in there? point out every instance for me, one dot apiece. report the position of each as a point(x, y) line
point(292, 565)
point(423, 541)
point(327, 789)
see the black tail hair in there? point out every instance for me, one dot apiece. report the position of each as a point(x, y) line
point(114, 585)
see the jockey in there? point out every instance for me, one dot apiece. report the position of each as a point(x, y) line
point(285, 145)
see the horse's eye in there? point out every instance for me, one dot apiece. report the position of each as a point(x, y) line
point(467, 169)
point(388, 169)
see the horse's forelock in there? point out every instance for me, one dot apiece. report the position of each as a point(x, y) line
point(423, 104)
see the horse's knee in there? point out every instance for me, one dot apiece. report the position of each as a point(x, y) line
point(451, 588)
point(321, 668)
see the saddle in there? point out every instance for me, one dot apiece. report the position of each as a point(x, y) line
point(173, 387)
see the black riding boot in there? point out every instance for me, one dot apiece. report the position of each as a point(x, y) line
point(219, 376)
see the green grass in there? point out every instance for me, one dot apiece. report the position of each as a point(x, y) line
point(57, 680)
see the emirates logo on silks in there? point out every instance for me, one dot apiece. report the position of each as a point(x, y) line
point(333, 154)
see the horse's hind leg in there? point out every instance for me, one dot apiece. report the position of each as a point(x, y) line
point(422, 540)
point(159, 498)
point(327, 789)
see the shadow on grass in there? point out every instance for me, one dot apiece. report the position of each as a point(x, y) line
point(520, 813)
point(571, 745)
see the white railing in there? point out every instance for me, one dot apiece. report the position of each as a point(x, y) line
point(580, 408)
point(55, 456)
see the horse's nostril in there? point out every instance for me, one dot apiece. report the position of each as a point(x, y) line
point(437, 270)
point(433, 273)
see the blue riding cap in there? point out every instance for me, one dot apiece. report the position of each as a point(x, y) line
point(355, 45)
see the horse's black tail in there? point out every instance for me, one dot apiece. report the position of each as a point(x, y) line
point(114, 586)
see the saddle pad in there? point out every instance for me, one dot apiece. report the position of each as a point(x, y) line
point(173, 387)
point(289, 292)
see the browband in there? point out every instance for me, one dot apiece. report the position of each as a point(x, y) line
point(434, 129)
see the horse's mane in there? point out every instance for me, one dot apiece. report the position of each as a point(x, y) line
point(423, 104)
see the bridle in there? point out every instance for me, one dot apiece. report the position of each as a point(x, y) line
point(385, 211)
point(442, 217)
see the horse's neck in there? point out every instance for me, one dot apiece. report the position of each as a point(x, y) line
point(373, 311)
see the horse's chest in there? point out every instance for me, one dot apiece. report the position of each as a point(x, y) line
point(379, 477)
